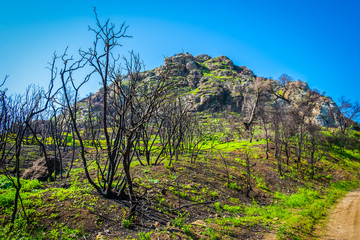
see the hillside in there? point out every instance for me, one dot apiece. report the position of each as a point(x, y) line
point(229, 191)
point(217, 85)
point(198, 148)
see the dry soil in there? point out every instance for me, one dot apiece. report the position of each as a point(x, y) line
point(344, 220)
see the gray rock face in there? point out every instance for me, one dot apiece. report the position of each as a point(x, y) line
point(324, 113)
point(191, 65)
point(296, 90)
point(180, 64)
point(194, 78)
point(216, 84)
point(202, 58)
point(225, 73)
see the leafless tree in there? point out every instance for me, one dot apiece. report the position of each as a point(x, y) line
point(314, 144)
point(265, 120)
point(248, 154)
point(173, 133)
point(58, 128)
point(346, 114)
point(302, 113)
point(16, 114)
point(276, 128)
point(281, 93)
point(253, 99)
point(288, 130)
point(129, 102)
point(4, 123)
point(200, 133)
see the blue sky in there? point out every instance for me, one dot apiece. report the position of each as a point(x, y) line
point(315, 41)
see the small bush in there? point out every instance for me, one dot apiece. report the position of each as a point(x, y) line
point(126, 222)
point(144, 236)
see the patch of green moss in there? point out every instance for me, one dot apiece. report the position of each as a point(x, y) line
point(216, 62)
point(194, 91)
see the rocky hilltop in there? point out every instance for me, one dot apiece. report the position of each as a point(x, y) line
point(217, 84)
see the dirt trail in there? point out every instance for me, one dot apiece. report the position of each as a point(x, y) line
point(344, 220)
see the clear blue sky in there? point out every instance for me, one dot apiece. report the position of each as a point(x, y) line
point(316, 41)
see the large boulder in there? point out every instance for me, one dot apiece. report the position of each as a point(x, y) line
point(180, 64)
point(296, 90)
point(39, 169)
point(191, 65)
point(194, 78)
point(202, 58)
point(325, 112)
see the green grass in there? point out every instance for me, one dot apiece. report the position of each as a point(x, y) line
point(232, 146)
point(7, 190)
point(293, 215)
point(32, 192)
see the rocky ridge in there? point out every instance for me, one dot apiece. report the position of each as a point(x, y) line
point(217, 85)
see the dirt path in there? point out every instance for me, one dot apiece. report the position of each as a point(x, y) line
point(344, 220)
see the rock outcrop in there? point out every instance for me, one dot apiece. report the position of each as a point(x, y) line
point(217, 84)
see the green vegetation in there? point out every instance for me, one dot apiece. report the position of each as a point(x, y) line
point(290, 215)
point(293, 215)
point(161, 155)
point(39, 211)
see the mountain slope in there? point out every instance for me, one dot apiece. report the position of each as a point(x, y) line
point(216, 84)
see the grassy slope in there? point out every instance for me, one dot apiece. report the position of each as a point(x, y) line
point(202, 200)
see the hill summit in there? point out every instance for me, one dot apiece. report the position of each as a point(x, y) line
point(217, 85)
